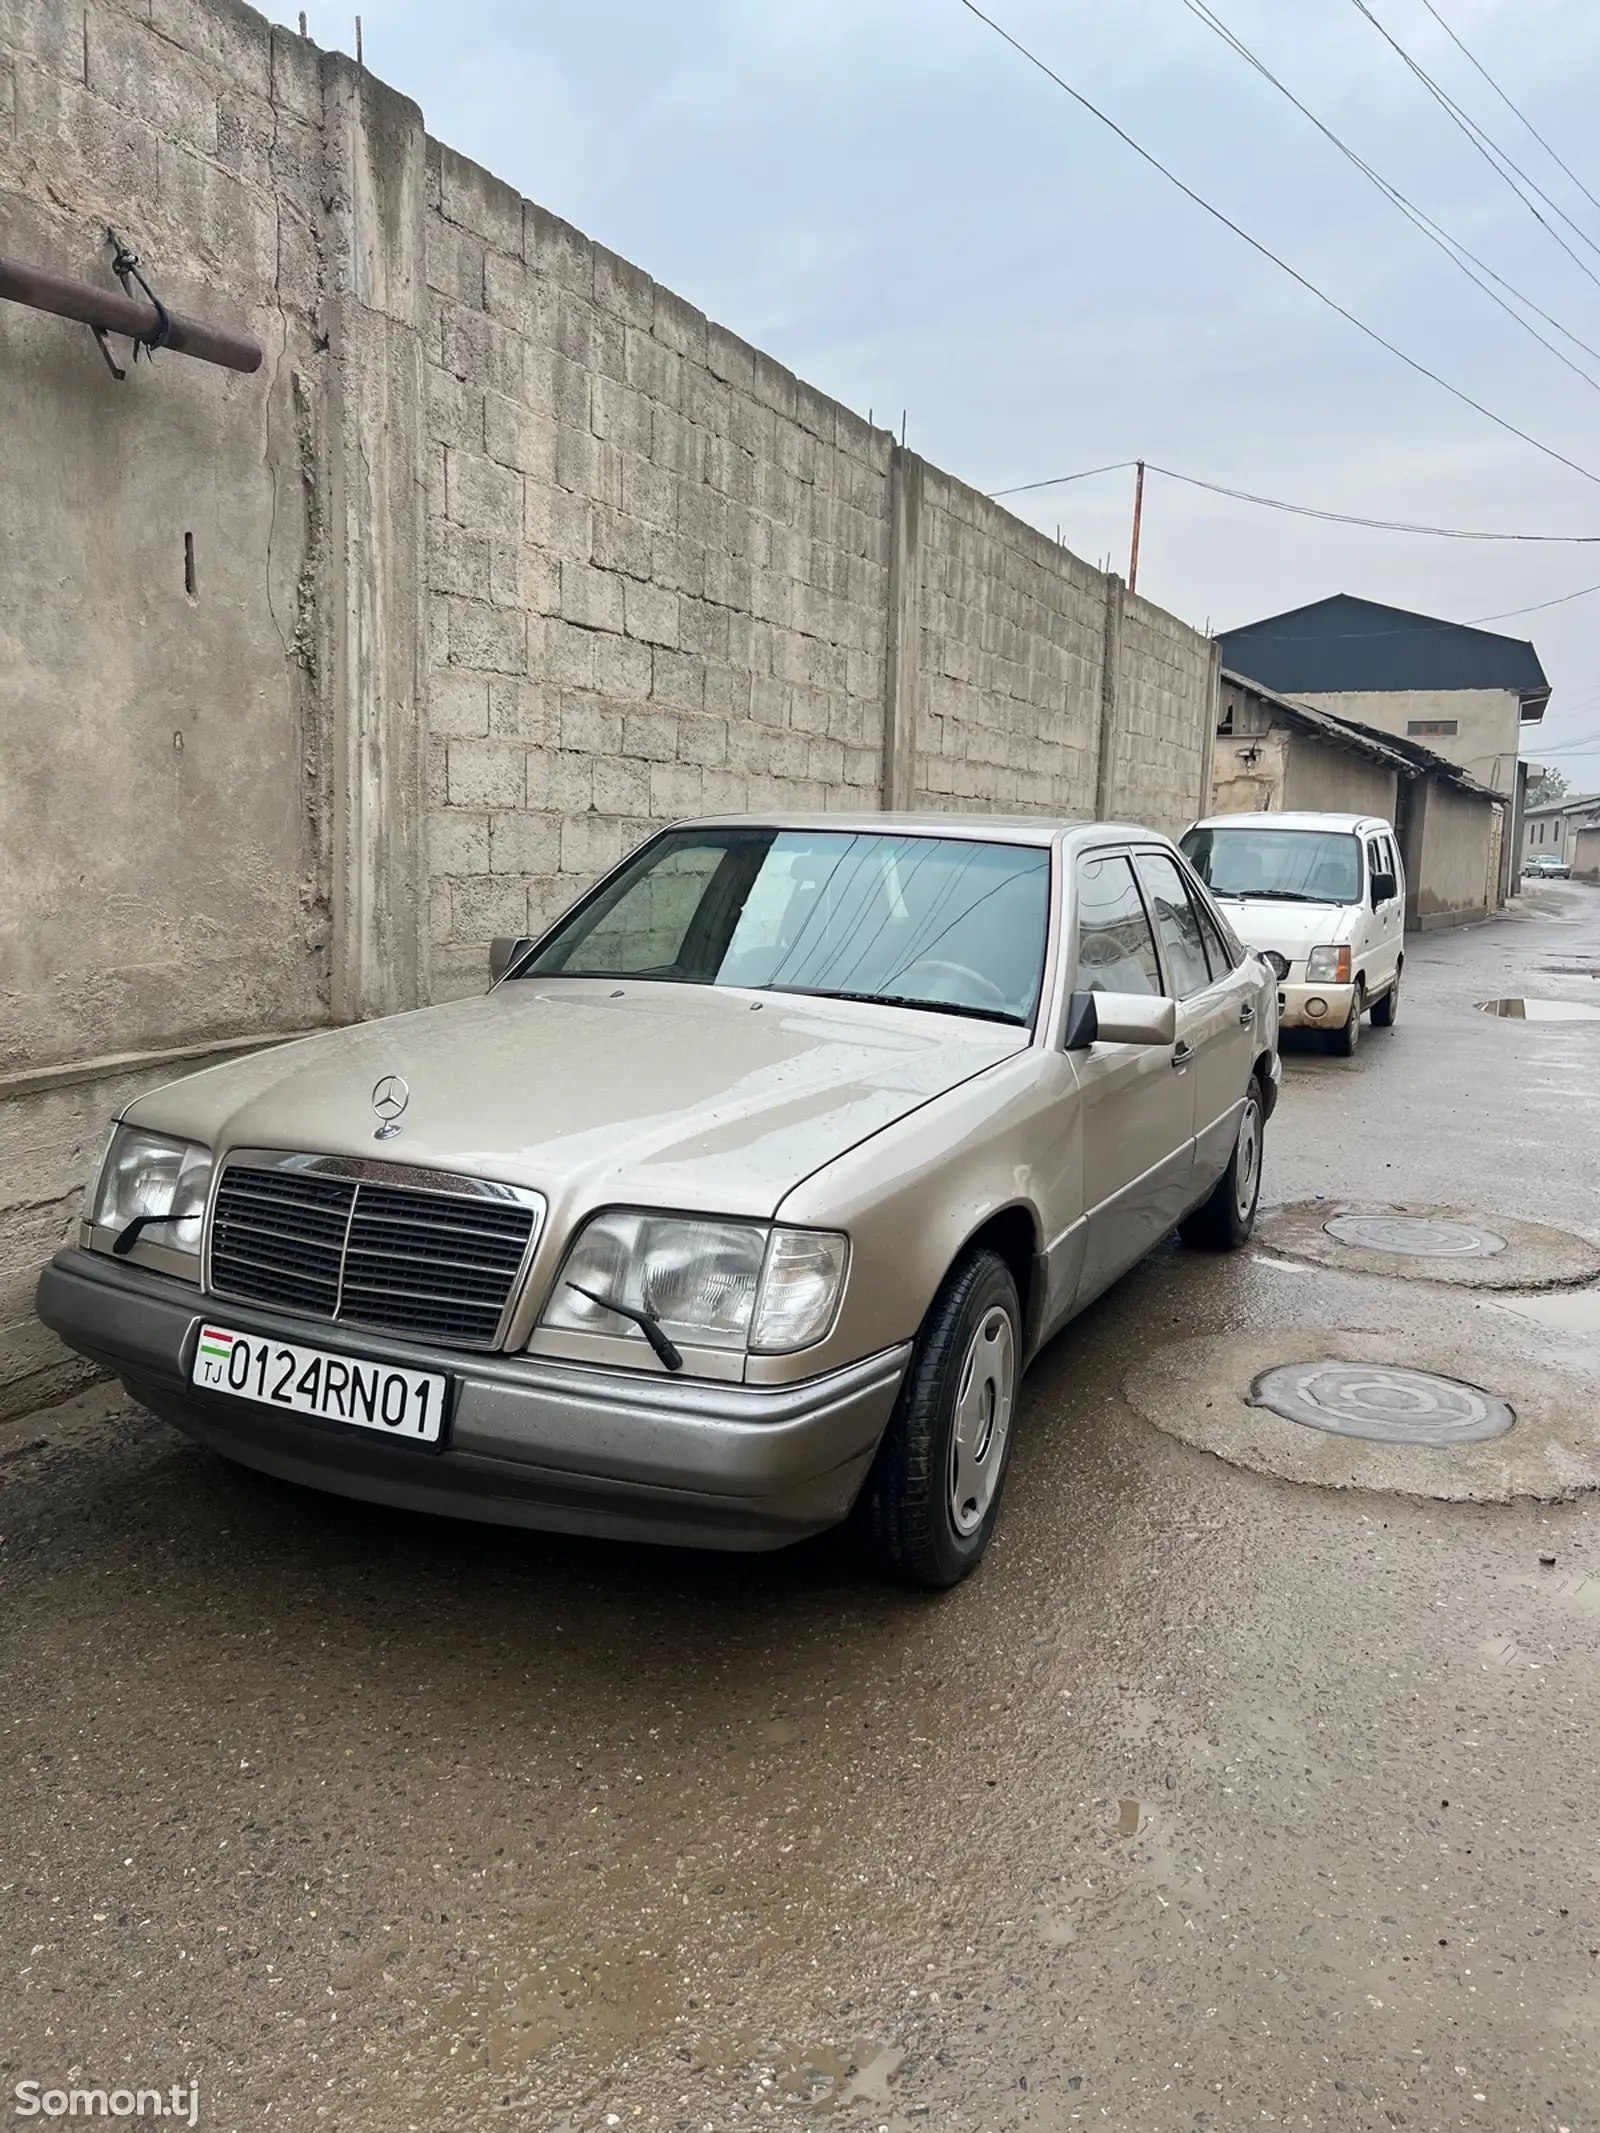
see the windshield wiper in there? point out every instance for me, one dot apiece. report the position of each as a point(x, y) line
point(646, 1321)
point(1275, 896)
point(129, 1234)
point(901, 999)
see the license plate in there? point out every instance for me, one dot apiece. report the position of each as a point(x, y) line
point(332, 1388)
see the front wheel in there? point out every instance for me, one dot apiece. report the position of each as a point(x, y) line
point(932, 1499)
point(1343, 1042)
point(1224, 1221)
point(1385, 1010)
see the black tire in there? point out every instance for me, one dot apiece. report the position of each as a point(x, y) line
point(1385, 1010)
point(1226, 1218)
point(906, 1515)
point(1343, 1042)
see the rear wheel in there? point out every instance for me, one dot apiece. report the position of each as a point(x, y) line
point(1344, 1041)
point(1385, 1010)
point(932, 1499)
point(1224, 1221)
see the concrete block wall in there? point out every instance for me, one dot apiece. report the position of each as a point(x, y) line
point(657, 569)
point(505, 555)
point(1012, 656)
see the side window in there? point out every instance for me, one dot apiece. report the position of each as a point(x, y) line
point(1115, 951)
point(1393, 858)
point(1375, 863)
point(1177, 924)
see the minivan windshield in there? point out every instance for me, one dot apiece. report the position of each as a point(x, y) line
point(1295, 866)
point(945, 923)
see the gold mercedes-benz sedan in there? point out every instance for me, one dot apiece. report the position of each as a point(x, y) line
point(734, 1209)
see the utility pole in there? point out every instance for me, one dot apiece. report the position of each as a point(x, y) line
point(1138, 514)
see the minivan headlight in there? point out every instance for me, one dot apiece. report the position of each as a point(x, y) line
point(1328, 966)
point(165, 1181)
point(708, 1283)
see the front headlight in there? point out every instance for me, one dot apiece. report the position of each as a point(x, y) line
point(707, 1283)
point(1328, 966)
point(164, 1181)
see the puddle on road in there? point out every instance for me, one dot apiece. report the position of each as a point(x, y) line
point(1567, 1310)
point(1541, 1010)
point(1127, 1818)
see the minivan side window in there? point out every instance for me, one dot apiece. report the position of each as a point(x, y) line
point(1177, 923)
point(1115, 949)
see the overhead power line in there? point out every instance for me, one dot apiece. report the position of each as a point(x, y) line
point(1278, 503)
point(1459, 255)
point(1516, 110)
point(1538, 608)
point(1492, 153)
point(1372, 334)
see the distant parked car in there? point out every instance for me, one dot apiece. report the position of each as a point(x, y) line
point(1547, 867)
point(1324, 898)
point(740, 1201)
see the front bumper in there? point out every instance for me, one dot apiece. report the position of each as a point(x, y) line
point(530, 1442)
point(1293, 1006)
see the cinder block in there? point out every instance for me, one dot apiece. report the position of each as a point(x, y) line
point(453, 260)
point(649, 493)
point(50, 34)
point(680, 326)
point(296, 75)
point(565, 780)
point(724, 791)
point(587, 335)
point(650, 612)
point(485, 774)
point(676, 790)
point(519, 709)
point(623, 290)
point(517, 437)
point(483, 495)
point(652, 368)
point(620, 415)
point(458, 561)
point(579, 465)
point(233, 228)
point(230, 37)
point(458, 842)
point(481, 350)
point(730, 358)
point(137, 71)
point(590, 844)
point(493, 638)
point(728, 693)
point(651, 736)
point(524, 843)
point(703, 629)
point(592, 598)
point(702, 740)
point(568, 656)
point(486, 904)
point(621, 543)
point(88, 144)
point(590, 726)
point(455, 409)
point(555, 249)
point(677, 682)
point(621, 787)
point(622, 669)
point(479, 201)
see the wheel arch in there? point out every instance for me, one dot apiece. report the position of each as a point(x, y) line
point(1012, 1232)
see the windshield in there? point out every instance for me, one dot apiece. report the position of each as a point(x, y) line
point(1277, 865)
point(935, 922)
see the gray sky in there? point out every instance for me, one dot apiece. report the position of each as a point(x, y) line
point(886, 198)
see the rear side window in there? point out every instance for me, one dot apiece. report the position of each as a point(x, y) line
point(1177, 922)
point(1115, 950)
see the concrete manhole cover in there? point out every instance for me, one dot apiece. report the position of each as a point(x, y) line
point(1383, 1404)
point(1411, 1242)
point(1376, 1409)
point(1415, 1236)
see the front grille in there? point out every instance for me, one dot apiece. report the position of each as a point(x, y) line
point(438, 1265)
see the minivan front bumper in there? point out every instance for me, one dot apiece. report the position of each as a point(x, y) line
point(1295, 1004)
point(530, 1442)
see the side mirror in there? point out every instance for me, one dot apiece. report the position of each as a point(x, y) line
point(1383, 887)
point(1119, 1018)
point(504, 950)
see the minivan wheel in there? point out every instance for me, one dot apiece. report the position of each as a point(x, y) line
point(931, 1501)
point(1343, 1041)
point(1385, 1010)
point(1225, 1219)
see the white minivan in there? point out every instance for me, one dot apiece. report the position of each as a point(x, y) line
point(1323, 898)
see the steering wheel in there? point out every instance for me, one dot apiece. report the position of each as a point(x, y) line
point(990, 993)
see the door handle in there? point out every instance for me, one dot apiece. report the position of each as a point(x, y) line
point(1181, 1054)
point(1247, 1013)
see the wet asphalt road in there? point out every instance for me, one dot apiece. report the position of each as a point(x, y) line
point(1213, 1801)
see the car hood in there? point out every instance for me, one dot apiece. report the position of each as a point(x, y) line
point(696, 1097)
point(1291, 929)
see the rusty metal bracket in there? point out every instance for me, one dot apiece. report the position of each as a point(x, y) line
point(125, 266)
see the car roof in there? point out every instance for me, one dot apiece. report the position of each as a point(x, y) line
point(1304, 821)
point(1042, 830)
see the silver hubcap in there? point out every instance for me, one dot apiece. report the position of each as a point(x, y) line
point(1248, 1168)
point(983, 1420)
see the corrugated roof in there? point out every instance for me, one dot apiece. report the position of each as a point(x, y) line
point(1345, 645)
point(1411, 758)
